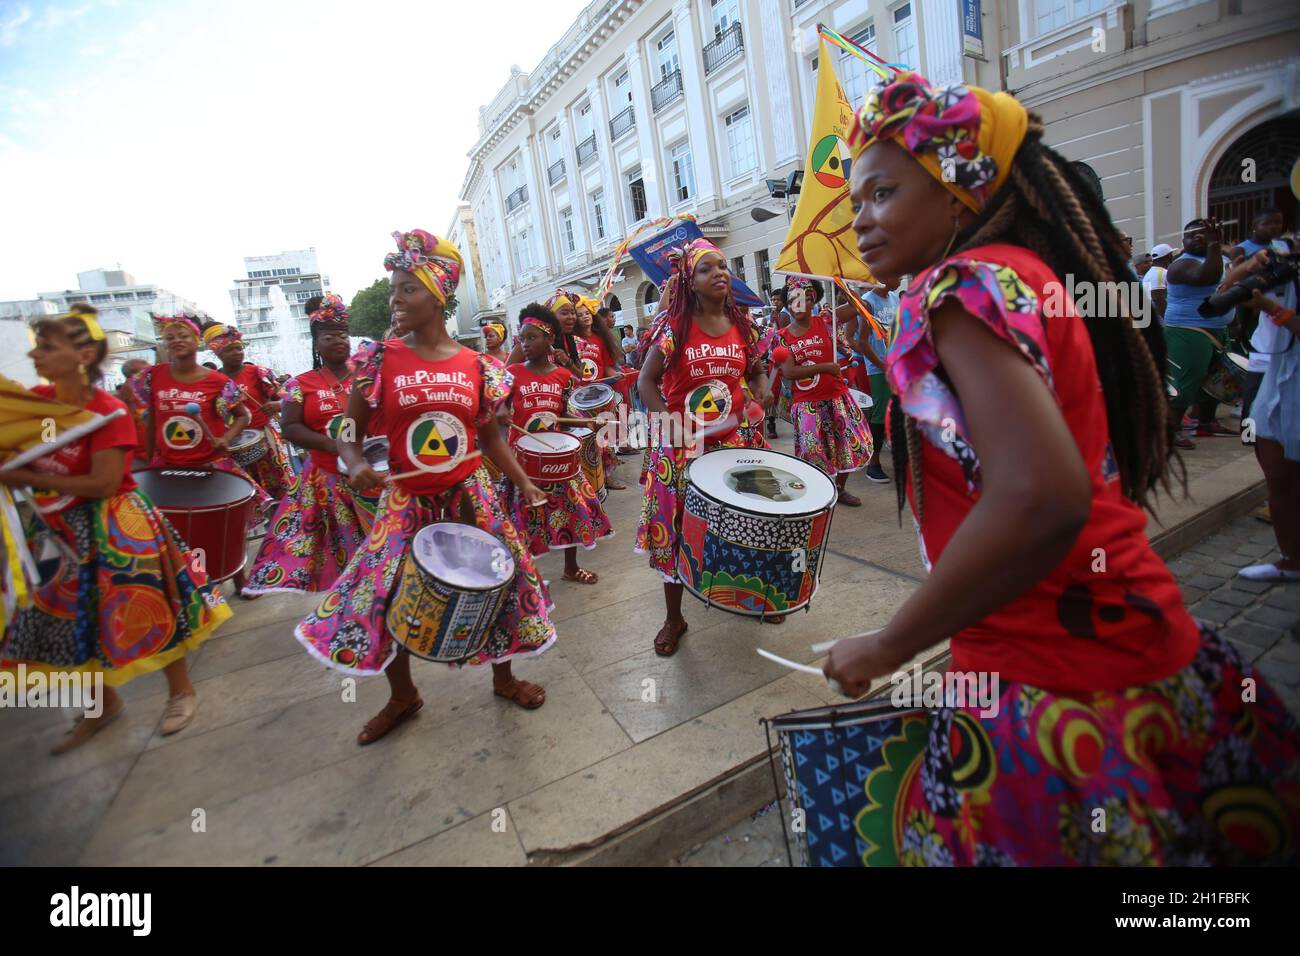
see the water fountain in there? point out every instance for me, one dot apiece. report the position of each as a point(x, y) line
point(290, 351)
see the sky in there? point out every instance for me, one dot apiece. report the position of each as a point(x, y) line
point(175, 137)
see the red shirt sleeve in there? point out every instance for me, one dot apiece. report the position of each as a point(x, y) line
point(119, 433)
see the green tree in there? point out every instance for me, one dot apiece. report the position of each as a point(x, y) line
point(369, 314)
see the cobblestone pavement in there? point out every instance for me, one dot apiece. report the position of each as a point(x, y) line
point(1261, 620)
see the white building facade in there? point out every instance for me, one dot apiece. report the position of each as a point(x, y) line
point(648, 108)
point(275, 327)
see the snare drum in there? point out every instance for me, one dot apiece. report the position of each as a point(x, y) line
point(1227, 378)
point(847, 770)
point(593, 463)
point(590, 401)
point(863, 401)
point(453, 583)
point(375, 453)
point(755, 525)
point(249, 446)
point(210, 510)
point(550, 458)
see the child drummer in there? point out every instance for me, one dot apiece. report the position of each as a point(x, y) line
point(438, 403)
point(572, 514)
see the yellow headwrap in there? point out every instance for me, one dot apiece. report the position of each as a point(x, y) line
point(560, 299)
point(496, 327)
point(963, 136)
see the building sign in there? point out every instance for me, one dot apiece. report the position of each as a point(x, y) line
point(972, 29)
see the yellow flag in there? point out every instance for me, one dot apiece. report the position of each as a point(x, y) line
point(821, 241)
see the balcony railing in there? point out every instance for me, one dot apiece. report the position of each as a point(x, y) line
point(666, 90)
point(587, 150)
point(517, 199)
point(621, 123)
point(556, 171)
point(724, 49)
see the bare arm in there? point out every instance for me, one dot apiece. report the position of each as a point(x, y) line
point(302, 436)
point(1035, 500)
point(106, 470)
point(494, 446)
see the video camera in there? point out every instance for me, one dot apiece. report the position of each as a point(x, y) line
point(1278, 270)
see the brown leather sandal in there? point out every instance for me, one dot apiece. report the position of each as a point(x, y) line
point(668, 638)
point(774, 619)
point(527, 695)
point(379, 725)
point(582, 576)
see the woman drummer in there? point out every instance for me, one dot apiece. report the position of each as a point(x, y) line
point(124, 600)
point(601, 352)
point(261, 394)
point(494, 341)
point(829, 430)
point(684, 377)
point(1027, 440)
point(178, 436)
point(323, 522)
point(539, 394)
point(438, 402)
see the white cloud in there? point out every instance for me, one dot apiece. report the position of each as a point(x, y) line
point(56, 16)
point(11, 19)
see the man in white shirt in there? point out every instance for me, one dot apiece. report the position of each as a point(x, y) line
point(1155, 281)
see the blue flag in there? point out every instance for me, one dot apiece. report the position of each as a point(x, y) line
point(652, 257)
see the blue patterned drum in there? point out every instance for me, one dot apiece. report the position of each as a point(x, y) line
point(754, 529)
point(845, 768)
point(453, 582)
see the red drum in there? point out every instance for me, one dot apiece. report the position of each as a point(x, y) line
point(210, 510)
point(550, 458)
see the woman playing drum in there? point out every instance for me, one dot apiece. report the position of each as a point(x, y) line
point(438, 402)
point(539, 394)
point(599, 347)
point(702, 347)
point(124, 601)
point(318, 527)
point(1027, 440)
point(194, 412)
point(829, 430)
point(272, 472)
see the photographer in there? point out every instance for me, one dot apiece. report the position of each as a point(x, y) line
point(1265, 337)
point(1277, 438)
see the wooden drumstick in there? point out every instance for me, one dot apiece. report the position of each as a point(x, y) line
point(537, 435)
point(476, 453)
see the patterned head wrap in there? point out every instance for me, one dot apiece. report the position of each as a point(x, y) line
point(684, 259)
point(560, 299)
point(165, 322)
point(332, 310)
point(537, 323)
point(435, 262)
point(963, 136)
point(218, 337)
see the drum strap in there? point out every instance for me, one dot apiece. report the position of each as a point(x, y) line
point(1218, 346)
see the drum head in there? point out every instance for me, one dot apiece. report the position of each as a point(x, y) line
point(1242, 363)
point(375, 452)
point(591, 396)
point(578, 432)
point(862, 398)
point(552, 443)
point(249, 436)
point(463, 556)
point(762, 482)
point(175, 488)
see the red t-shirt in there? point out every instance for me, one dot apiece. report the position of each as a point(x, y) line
point(75, 459)
point(324, 399)
point(813, 347)
point(704, 380)
point(533, 395)
point(256, 381)
point(1110, 615)
point(178, 437)
point(595, 355)
point(431, 410)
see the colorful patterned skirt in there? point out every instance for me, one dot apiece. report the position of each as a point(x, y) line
point(272, 472)
point(123, 602)
point(832, 434)
point(347, 629)
point(1179, 772)
point(572, 516)
point(313, 535)
point(660, 527)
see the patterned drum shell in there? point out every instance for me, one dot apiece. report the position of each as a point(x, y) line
point(436, 619)
point(752, 562)
point(249, 446)
point(593, 463)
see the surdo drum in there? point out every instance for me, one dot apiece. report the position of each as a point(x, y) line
point(453, 582)
point(593, 463)
point(210, 510)
point(755, 526)
point(550, 458)
point(250, 446)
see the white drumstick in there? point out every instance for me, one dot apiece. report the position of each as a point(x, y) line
point(420, 471)
point(806, 668)
point(825, 646)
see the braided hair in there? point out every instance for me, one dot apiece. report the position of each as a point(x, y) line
point(1047, 207)
point(682, 306)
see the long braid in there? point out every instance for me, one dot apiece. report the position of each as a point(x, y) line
point(1047, 207)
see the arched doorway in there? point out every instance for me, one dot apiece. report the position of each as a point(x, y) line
point(613, 304)
point(1254, 173)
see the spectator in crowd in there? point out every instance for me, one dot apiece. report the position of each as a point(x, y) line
point(1156, 278)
